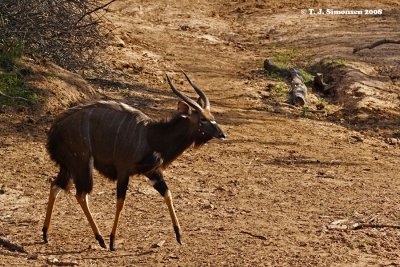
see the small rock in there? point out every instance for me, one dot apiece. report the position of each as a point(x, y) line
point(230, 210)
point(173, 257)
point(220, 188)
point(119, 42)
point(55, 261)
point(184, 27)
point(208, 206)
point(158, 245)
point(302, 244)
point(326, 174)
point(392, 141)
point(356, 138)
point(33, 257)
point(320, 106)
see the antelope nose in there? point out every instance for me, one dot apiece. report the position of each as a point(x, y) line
point(221, 135)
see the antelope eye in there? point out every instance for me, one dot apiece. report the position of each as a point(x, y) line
point(203, 120)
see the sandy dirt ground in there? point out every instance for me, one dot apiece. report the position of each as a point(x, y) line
point(280, 191)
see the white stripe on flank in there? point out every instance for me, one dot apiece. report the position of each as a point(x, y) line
point(89, 138)
point(116, 136)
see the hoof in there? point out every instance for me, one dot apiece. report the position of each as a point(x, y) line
point(112, 242)
point(100, 239)
point(178, 234)
point(44, 230)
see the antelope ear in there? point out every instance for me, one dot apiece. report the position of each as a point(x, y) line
point(183, 108)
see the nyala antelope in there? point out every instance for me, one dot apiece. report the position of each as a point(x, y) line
point(120, 141)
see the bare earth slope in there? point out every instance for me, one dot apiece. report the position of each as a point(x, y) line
point(266, 196)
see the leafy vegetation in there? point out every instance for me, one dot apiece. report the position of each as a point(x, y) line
point(339, 62)
point(13, 89)
point(280, 90)
point(307, 77)
point(286, 60)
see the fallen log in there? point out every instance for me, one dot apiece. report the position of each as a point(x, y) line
point(274, 69)
point(298, 94)
point(319, 83)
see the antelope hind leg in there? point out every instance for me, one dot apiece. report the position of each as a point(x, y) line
point(54, 191)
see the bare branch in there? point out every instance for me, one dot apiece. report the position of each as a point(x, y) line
point(94, 10)
point(254, 235)
point(13, 97)
point(68, 32)
point(377, 43)
point(7, 244)
point(358, 226)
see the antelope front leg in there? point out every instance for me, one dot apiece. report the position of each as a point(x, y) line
point(122, 187)
point(171, 209)
point(82, 198)
point(160, 185)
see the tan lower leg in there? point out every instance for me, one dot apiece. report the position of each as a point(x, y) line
point(175, 222)
point(120, 205)
point(83, 201)
point(171, 209)
point(54, 191)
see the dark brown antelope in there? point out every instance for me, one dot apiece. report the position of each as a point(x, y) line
point(120, 141)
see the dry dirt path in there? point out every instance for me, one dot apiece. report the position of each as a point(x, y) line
point(261, 198)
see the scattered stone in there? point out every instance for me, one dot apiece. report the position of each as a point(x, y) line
point(184, 27)
point(54, 261)
point(173, 257)
point(326, 174)
point(392, 141)
point(158, 245)
point(33, 257)
point(2, 189)
point(208, 206)
point(355, 138)
point(119, 42)
point(342, 224)
point(230, 210)
point(320, 106)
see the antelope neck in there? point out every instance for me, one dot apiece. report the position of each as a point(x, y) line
point(171, 138)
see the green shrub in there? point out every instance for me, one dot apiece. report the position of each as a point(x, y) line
point(10, 54)
point(13, 89)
